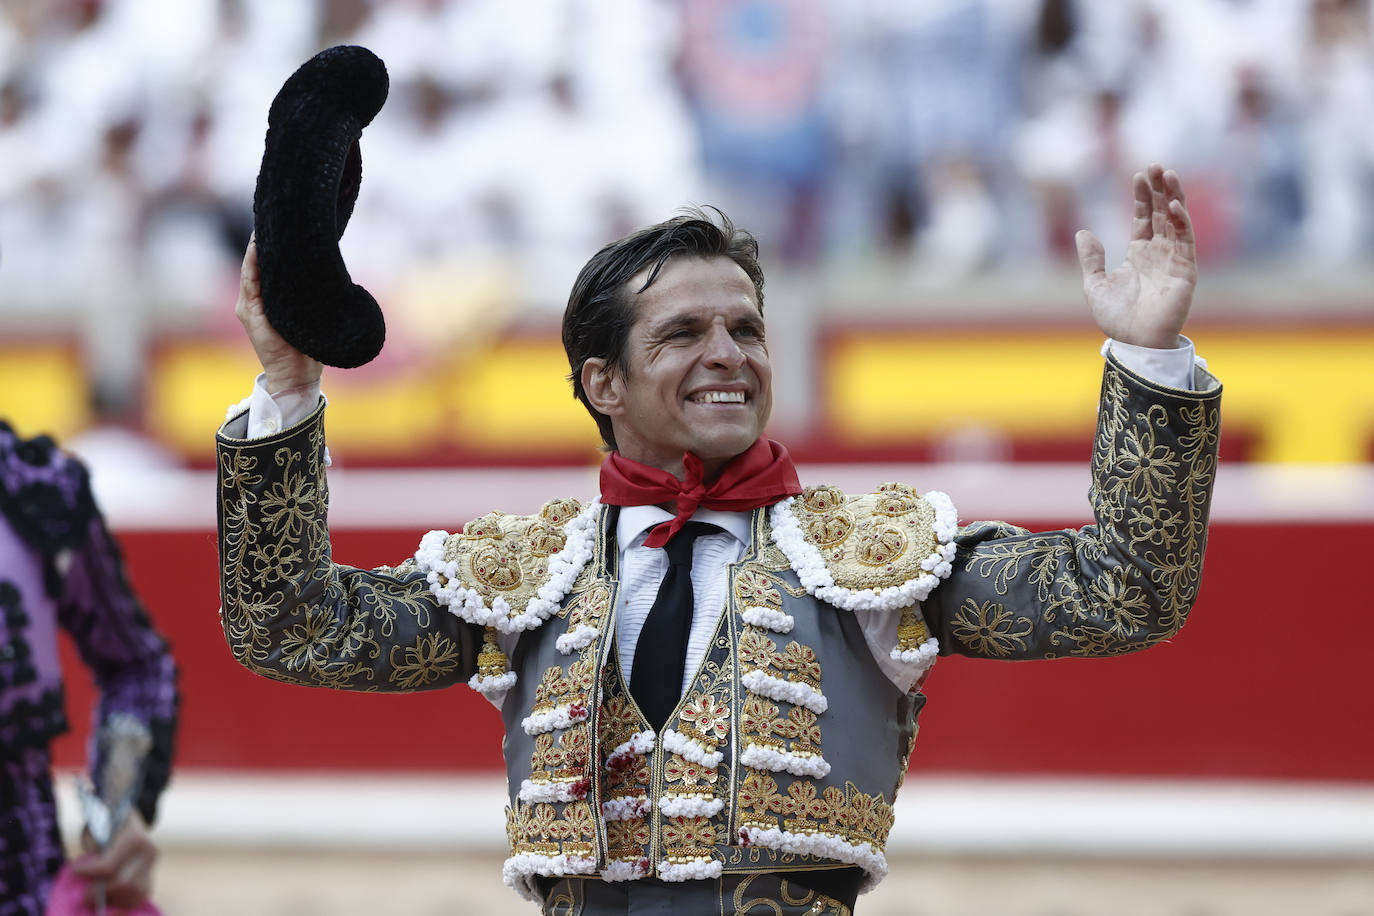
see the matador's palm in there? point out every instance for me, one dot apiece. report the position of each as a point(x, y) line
point(1145, 301)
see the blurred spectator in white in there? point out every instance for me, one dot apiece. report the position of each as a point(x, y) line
point(925, 100)
point(518, 138)
point(1338, 97)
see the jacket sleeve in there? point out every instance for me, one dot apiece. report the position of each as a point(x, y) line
point(128, 659)
point(1122, 584)
point(289, 612)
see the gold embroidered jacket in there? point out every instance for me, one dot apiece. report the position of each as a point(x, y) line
point(740, 778)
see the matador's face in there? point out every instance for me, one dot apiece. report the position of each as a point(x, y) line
point(699, 378)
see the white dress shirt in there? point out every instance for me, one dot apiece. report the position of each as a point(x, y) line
point(642, 568)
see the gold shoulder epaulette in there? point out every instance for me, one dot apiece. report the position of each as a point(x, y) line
point(884, 549)
point(501, 570)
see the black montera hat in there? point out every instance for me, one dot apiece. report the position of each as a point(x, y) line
point(311, 170)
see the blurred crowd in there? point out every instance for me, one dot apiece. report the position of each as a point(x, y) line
point(519, 136)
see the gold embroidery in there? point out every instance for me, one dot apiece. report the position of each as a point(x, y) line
point(706, 719)
point(755, 588)
point(911, 630)
point(628, 839)
point(876, 540)
point(683, 777)
point(588, 607)
point(507, 556)
point(289, 613)
point(1122, 584)
point(688, 839)
point(430, 658)
point(801, 664)
point(853, 816)
point(571, 832)
point(988, 629)
point(491, 661)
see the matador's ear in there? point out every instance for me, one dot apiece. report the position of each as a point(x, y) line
point(311, 171)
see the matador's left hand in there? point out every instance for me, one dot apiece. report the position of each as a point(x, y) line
point(1145, 301)
point(125, 869)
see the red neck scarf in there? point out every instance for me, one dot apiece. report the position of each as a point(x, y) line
point(760, 476)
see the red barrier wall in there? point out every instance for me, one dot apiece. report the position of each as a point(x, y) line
point(1270, 679)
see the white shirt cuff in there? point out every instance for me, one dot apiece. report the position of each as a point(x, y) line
point(269, 414)
point(1172, 368)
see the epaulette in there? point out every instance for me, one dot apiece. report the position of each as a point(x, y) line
point(508, 573)
point(880, 551)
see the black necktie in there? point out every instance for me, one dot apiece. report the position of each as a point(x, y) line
point(661, 652)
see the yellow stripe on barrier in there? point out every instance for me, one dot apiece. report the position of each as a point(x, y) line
point(43, 389)
point(1303, 395)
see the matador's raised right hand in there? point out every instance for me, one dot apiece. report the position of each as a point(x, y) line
point(284, 365)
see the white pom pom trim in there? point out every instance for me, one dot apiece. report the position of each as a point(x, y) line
point(556, 791)
point(559, 717)
point(768, 619)
point(921, 658)
point(518, 867)
point(767, 758)
point(564, 568)
point(626, 870)
point(493, 688)
point(626, 809)
point(824, 845)
point(678, 743)
point(689, 806)
point(690, 871)
point(809, 565)
point(576, 639)
point(640, 744)
point(775, 688)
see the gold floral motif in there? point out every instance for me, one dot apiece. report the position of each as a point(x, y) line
point(990, 629)
point(821, 500)
point(564, 759)
point(507, 556)
point(755, 588)
point(757, 715)
point(828, 530)
point(497, 566)
point(803, 731)
point(687, 777)
point(879, 545)
point(801, 664)
point(552, 686)
point(705, 718)
point(587, 607)
point(430, 658)
point(628, 839)
point(895, 499)
point(290, 613)
point(755, 792)
point(756, 650)
point(559, 512)
point(545, 540)
point(541, 829)
point(688, 839)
